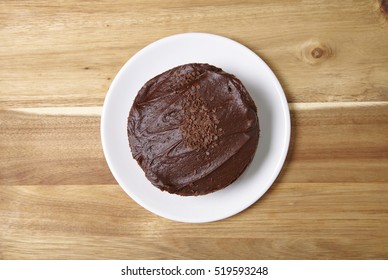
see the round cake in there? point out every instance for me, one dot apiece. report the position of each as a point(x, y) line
point(193, 129)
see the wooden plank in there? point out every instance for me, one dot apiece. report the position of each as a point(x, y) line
point(293, 221)
point(105, 210)
point(338, 143)
point(47, 146)
point(321, 51)
point(51, 149)
point(188, 248)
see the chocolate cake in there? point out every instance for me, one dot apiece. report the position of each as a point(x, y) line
point(193, 129)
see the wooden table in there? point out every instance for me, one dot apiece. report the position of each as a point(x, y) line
point(58, 199)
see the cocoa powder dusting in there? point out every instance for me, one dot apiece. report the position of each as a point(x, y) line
point(199, 128)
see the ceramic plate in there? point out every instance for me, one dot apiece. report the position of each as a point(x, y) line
point(261, 83)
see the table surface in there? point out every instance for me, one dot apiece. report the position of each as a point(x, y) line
point(58, 199)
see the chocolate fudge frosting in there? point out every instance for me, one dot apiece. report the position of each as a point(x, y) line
point(193, 129)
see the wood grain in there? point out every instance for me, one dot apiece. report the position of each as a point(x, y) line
point(58, 199)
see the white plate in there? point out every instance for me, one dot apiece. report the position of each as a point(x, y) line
point(261, 83)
